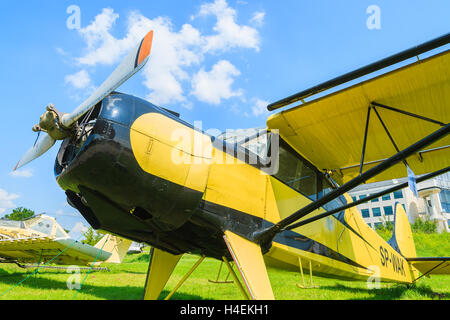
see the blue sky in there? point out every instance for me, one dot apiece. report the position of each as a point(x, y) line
point(217, 61)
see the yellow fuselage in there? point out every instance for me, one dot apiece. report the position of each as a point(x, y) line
point(344, 247)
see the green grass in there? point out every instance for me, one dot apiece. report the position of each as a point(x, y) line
point(126, 281)
point(427, 244)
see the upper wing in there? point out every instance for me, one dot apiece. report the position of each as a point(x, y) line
point(438, 265)
point(412, 102)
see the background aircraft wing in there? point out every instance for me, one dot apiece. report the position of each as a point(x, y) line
point(44, 249)
point(405, 105)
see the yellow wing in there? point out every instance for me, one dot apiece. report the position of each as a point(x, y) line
point(412, 102)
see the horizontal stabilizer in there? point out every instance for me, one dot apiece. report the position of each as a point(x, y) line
point(117, 246)
point(434, 265)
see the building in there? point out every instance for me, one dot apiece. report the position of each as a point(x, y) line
point(433, 202)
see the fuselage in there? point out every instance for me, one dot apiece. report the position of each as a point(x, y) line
point(136, 172)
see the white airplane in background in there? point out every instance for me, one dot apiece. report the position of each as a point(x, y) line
point(42, 240)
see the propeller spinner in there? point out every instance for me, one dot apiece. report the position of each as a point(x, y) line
point(59, 126)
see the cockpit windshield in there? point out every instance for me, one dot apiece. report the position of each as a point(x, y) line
point(255, 140)
point(42, 224)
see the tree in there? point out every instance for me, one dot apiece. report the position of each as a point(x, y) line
point(423, 226)
point(91, 237)
point(20, 214)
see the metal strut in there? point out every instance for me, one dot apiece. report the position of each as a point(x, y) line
point(183, 280)
point(366, 131)
point(265, 237)
point(388, 134)
point(367, 199)
point(407, 113)
point(218, 276)
point(236, 279)
point(386, 62)
point(304, 286)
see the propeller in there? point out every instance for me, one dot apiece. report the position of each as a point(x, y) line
point(59, 126)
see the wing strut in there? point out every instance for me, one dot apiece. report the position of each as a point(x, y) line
point(373, 106)
point(386, 62)
point(265, 237)
point(367, 199)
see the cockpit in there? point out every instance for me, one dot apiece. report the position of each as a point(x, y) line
point(285, 163)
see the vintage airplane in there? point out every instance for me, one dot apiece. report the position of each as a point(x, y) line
point(41, 240)
point(138, 171)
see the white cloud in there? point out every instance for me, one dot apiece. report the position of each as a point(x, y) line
point(25, 173)
point(172, 52)
point(79, 80)
point(259, 107)
point(215, 85)
point(102, 47)
point(61, 51)
point(78, 230)
point(6, 200)
point(169, 72)
point(229, 34)
point(258, 18)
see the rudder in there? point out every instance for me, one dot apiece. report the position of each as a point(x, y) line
point(118, 247)
point(402, 239)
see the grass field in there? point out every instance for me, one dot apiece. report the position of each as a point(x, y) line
point(126, 281)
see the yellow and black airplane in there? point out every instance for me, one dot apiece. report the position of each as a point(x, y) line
point(138, 171)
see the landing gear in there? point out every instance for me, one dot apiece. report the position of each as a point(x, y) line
point(304, 286)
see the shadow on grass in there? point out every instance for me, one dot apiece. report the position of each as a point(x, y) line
point(180, 296)
point(102, 292)
point(393, 293)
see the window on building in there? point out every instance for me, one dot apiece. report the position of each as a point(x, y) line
point(388, 211)
point(376, 212)
point(375, 200)
point(444, 196)
point(363, 196)
point(398, 194)
point(365, 213)
point(354, 199)
point(386, 197)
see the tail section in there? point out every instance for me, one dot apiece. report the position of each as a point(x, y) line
point(402, 239)
point(117, 246)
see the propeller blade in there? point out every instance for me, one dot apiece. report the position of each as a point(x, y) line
point(42, 146)
point(132, 63)
point(135, 60)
